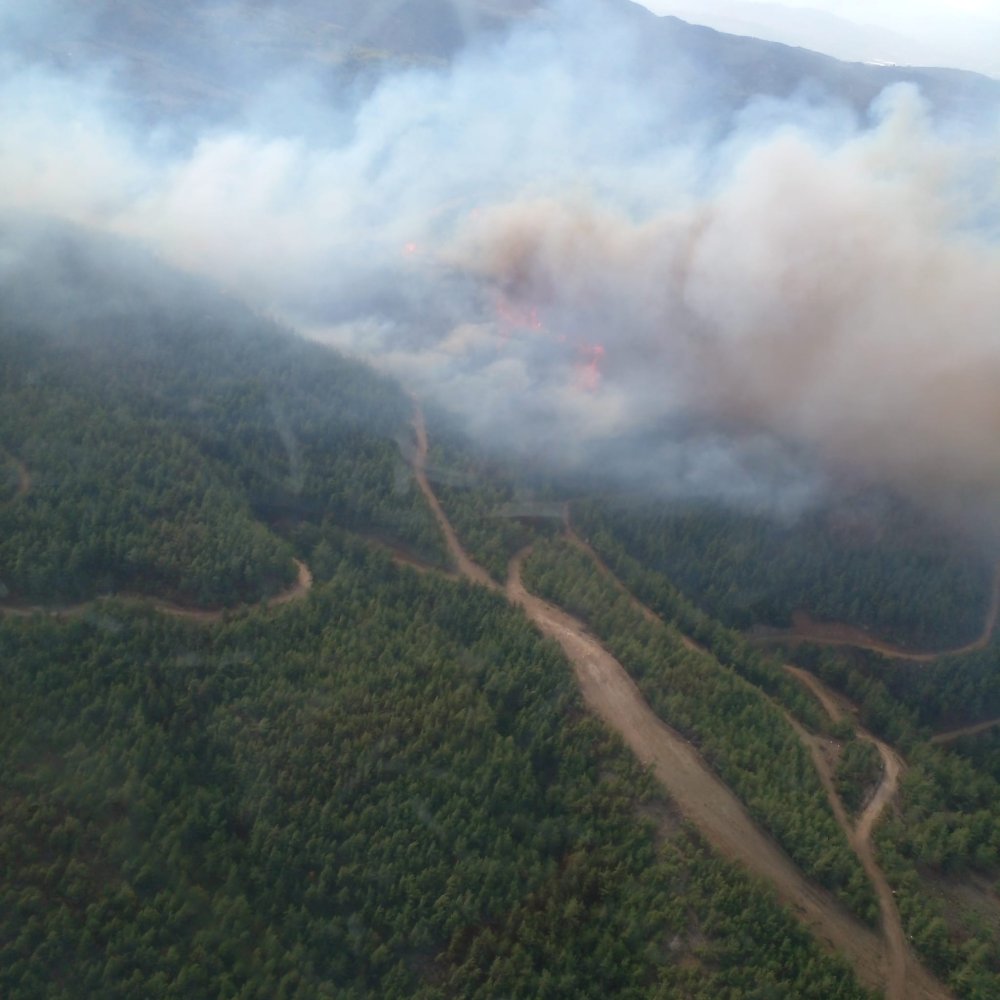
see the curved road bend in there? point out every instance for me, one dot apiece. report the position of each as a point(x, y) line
point(905, 969)
point(807, 629)
point(299, 589)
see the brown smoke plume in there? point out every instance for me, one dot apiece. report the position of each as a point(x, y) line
point(842, 300)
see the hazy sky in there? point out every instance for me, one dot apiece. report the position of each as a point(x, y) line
point(962, 33)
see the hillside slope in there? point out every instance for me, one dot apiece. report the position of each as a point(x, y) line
point(172, 437)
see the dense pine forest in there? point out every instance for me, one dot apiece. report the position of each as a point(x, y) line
point(641, 643)
point(174, 439)
point(217, 782)
point(865, 558)
point(386, 788)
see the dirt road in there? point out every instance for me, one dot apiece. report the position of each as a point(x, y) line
point(905, 977)
point(648, 613)
point(905, 971)
point(837, 708)
point(698, 793)
point(807, 629)
point(299, 589)
point(587, 550)
point(954, 734)
point(465, 566)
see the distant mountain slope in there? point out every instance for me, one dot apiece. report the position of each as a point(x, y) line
point(950, 35)
point(209, 57)
point(734, 68)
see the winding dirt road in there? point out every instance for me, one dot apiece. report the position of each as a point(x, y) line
point(697, 791)
point(904, 966)
point(301, 587)
point(805, 628)
point(905, 977)
point(699, 794)
point(298, 590)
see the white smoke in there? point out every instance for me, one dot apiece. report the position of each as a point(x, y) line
point(566, 254)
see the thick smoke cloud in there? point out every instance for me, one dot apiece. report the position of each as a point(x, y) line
point(569, 256)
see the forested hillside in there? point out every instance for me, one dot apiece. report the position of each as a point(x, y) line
point(389, 786)
point(385, 788)
point(938, 844)
point(317, 685)
point(173, 439)
point(741, 734)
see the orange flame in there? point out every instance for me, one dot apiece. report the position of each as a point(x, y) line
point(589, 373)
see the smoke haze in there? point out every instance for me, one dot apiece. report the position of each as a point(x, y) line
point(570, 252)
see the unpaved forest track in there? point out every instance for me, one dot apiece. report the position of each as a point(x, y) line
point(698, 792)
point(465, 566)
point(591, 553)
point(905, 969)
point(299, 589)
point(955, 734)
point(905, 977)
point(807, 629)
